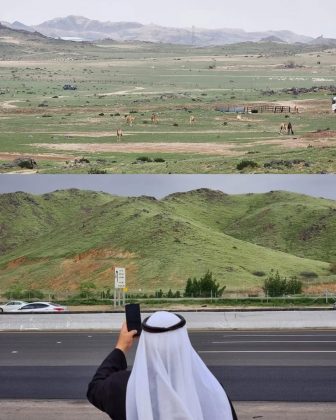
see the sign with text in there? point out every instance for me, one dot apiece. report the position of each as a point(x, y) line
point(119, 277)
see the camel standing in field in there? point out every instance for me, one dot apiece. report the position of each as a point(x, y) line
point(283, 128)
point(154, 118)
point(119, 133)
point(290, 129)
point(129, 120)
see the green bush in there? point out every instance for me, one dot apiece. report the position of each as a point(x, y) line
point(96, 171)
point(18, 293)
point(246, 164)
point(332, 267)
point(144, 159)
point(206, 286)
point(275, 286)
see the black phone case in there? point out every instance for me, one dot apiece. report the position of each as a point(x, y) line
point(133, 317)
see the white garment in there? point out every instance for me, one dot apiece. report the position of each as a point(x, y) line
point(169, 381)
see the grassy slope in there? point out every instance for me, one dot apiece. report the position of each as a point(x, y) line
point(64, 238)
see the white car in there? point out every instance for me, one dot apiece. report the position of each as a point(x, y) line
point(41, 307)
point(12, 305)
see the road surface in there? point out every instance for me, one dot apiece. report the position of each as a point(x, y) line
point(291, 366)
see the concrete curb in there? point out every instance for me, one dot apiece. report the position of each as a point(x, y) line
point(195, 320)
point(82, 410)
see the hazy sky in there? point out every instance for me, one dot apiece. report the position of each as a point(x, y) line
point(307, 17)
point(162, 185)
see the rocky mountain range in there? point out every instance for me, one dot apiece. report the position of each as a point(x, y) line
point(81, 28)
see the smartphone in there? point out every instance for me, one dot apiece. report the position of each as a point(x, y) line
point(133, 317)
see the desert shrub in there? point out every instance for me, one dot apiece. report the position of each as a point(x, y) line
point(27, 163)
point(144, 159)
point(96, 171)
point(246, 164)
point(159, 160)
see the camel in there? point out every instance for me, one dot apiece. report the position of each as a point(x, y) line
point(154, 118)
point(192, 120)
point(290, 129)
point(129, 120)
point(119, 133)
point(283, 128)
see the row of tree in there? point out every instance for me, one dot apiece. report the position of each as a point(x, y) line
point(206, 286)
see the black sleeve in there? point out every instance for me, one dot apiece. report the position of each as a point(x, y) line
point(107, 389)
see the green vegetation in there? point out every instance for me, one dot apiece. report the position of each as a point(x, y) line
point(206, 286)
point(62, 240)
point(55, 126)
point(275, 286)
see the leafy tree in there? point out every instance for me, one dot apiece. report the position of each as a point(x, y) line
point(294, 286)
point(275, 286)
point(87, 289)
point(206, 286)
point(170, 294)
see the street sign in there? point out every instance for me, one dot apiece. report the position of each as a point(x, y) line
point(119, 278)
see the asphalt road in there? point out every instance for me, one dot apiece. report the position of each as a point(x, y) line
point(253, 366)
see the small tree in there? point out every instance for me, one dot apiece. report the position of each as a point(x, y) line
point(294, 286)
point(87, 289)
point(275, 286)
point(206, 286)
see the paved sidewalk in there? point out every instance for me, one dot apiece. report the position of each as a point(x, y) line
point(81, 410)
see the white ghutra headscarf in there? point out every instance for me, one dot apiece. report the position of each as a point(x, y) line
point(169, 381)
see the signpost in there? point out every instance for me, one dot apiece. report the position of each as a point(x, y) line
point(119, 286)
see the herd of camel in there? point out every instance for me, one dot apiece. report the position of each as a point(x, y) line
point(285, 128)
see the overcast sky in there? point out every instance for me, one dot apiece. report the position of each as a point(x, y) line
point(161, 185)
point(307, 17)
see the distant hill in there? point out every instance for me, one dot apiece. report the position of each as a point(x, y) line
point(78, 27)
point(57, 240)
point(18, 25)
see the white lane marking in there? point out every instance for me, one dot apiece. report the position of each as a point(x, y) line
point(267, 351)
point(273, 341)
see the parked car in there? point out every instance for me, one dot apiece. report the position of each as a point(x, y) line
point(12, 305)
point(41, 307)
point(69, 87)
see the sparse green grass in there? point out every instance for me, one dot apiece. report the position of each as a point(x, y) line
point(174, 82)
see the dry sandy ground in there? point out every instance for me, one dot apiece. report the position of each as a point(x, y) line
point(224, 149)
point(48, 156)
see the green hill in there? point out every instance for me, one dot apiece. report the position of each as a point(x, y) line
point(57, 240)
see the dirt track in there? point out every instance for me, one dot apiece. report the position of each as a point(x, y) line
point(225, 149)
